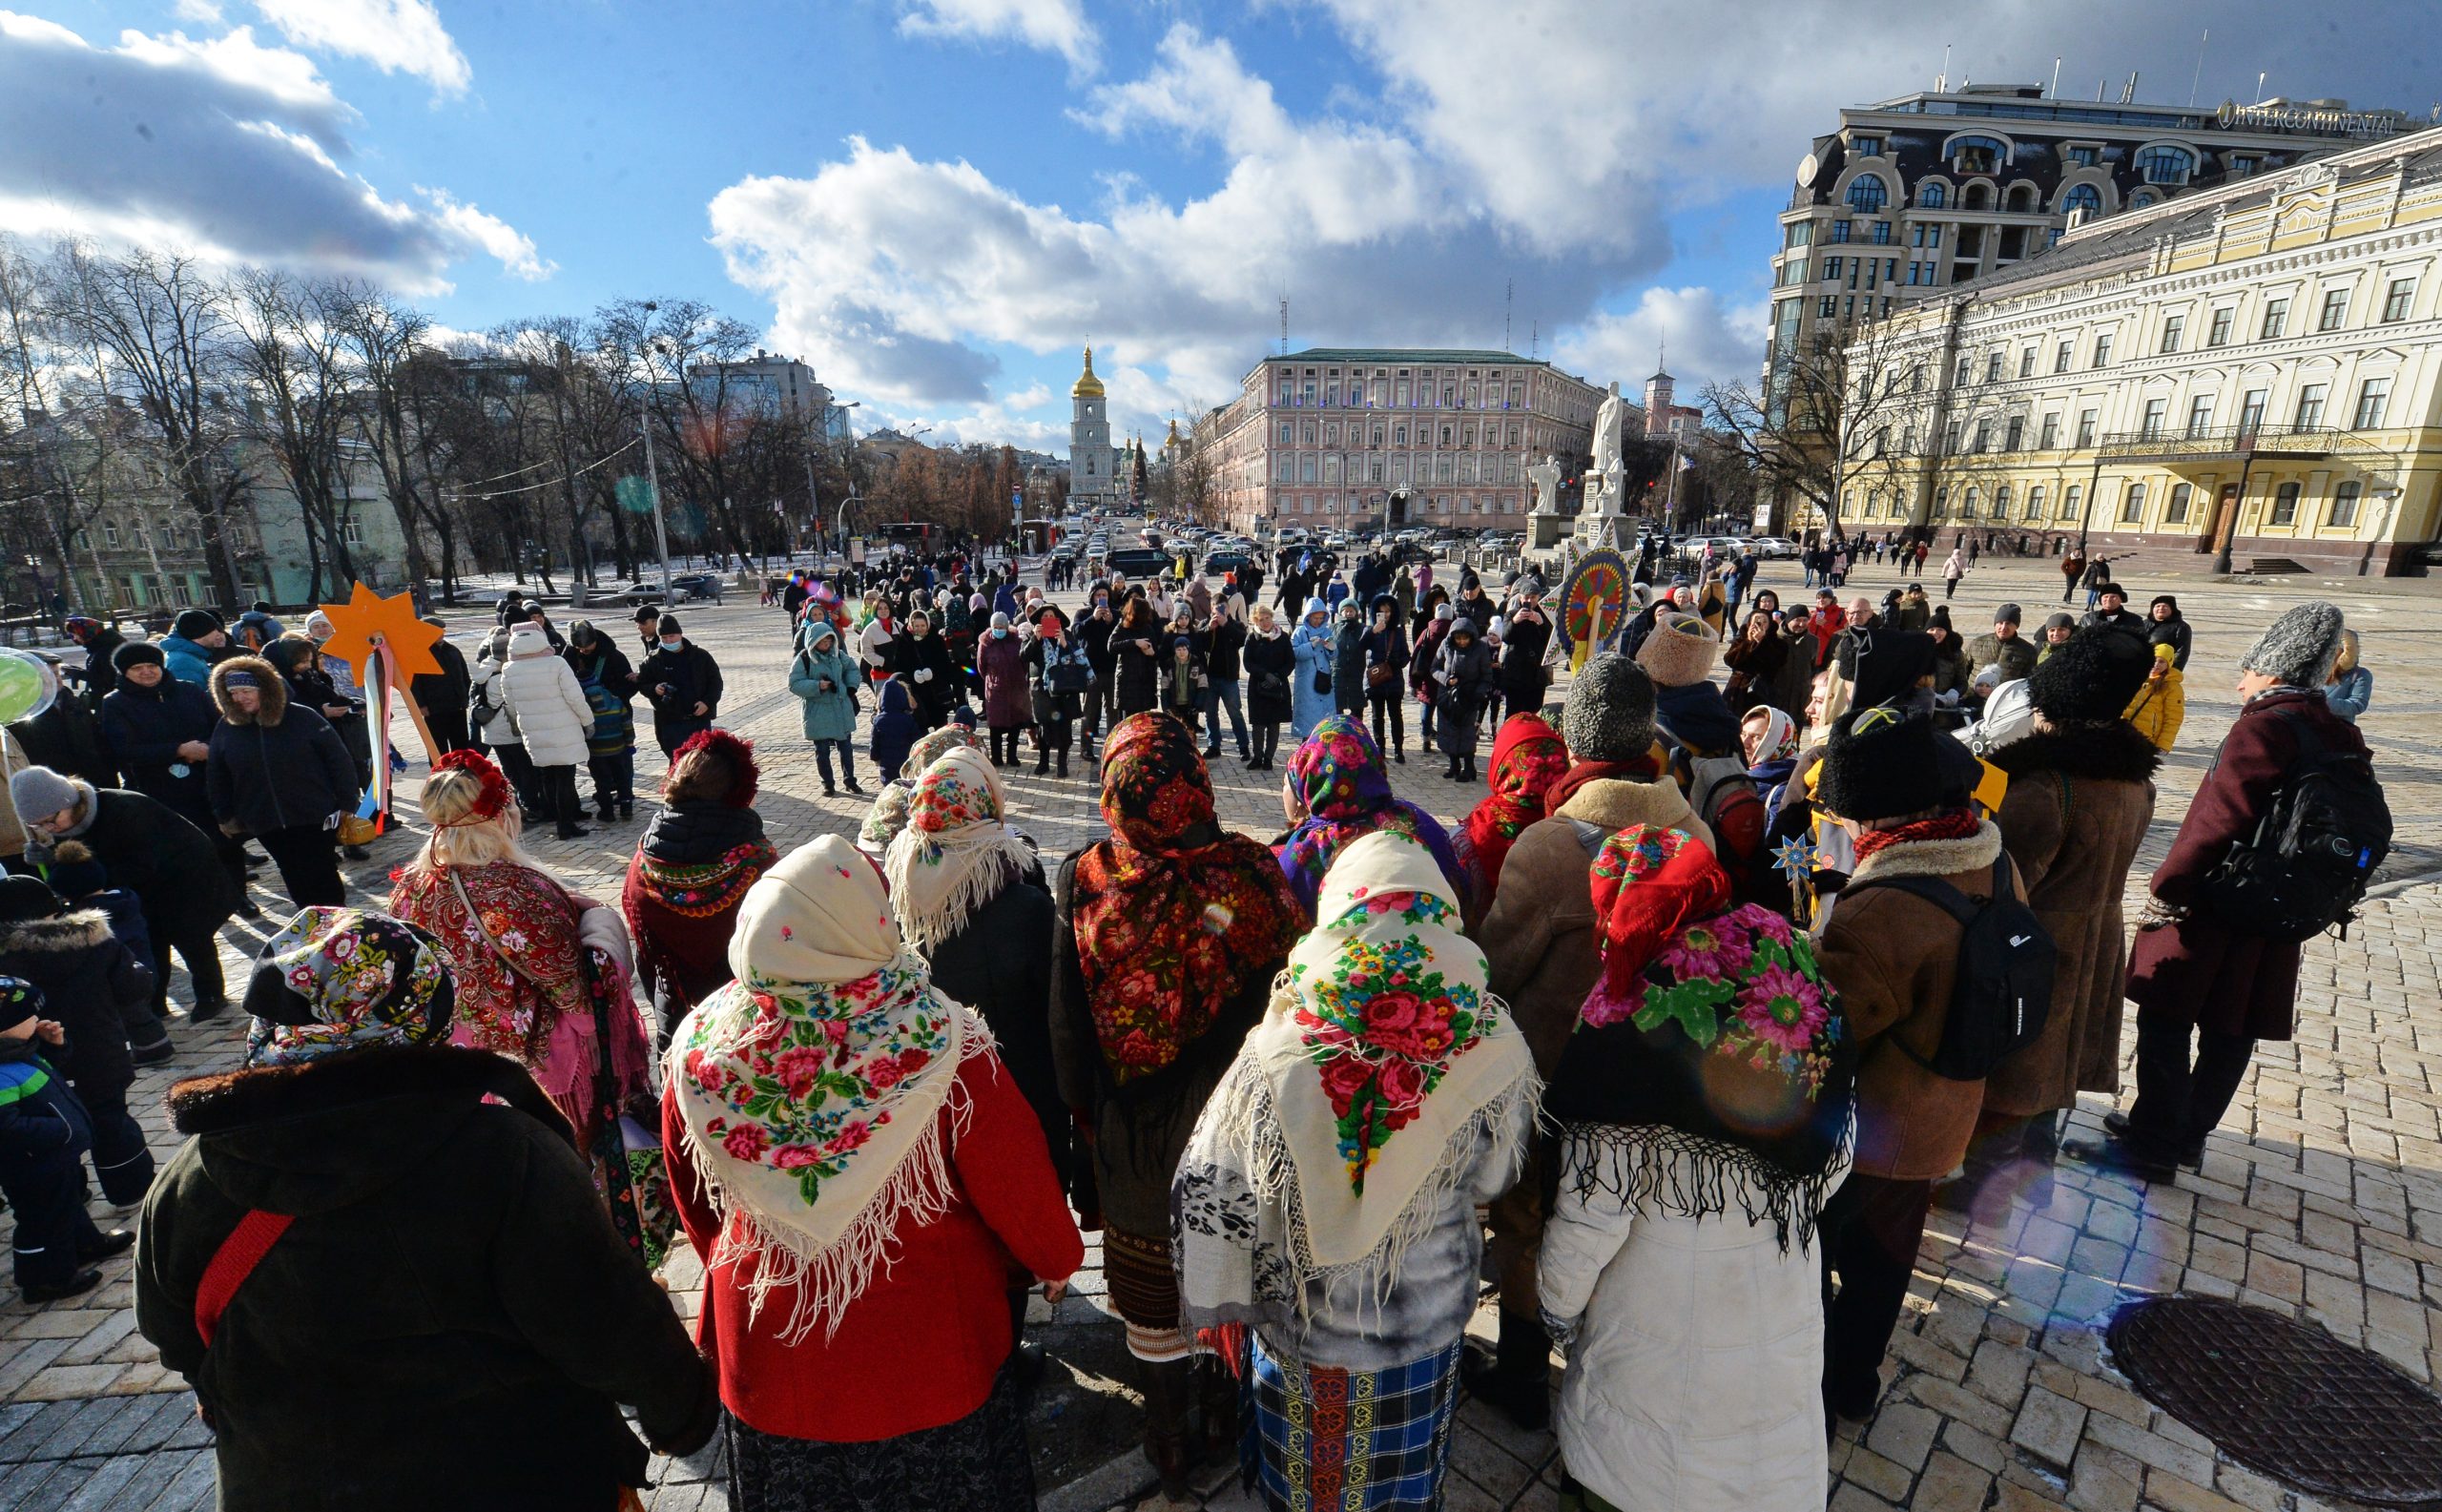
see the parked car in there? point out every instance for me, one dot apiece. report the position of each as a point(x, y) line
point(698, 585)
point(1139, 562)
point(1773, 548)
point(1220, 562)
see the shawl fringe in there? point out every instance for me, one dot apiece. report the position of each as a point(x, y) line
point(1245, 1102)
point(1671, 1171)
point(987, 869)
point(825, 1278)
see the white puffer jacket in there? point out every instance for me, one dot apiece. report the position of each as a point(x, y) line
point(539, 689)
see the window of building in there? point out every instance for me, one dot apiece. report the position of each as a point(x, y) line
point(1828, 307)
point(2220, 333)
point(1284, 432)
point(2175, 507)
point(1869, 147)
point(2374, 396)
point(2069, 500)
point(352, 532)
point(2395, 300)
point(2062, 358)
point(2251, 411)
point(1868, 193)
point(2173, 327)
point(1882, 232)
point(2285, 503)
point(2002, 502)
point(1966, 372)
point(1983, 436)
point(2103, 348)
point(1840, 230)
point(2311, 407)
point(2034, 502)
point(1932, 196)
point(1832, 268)
point(2241, 165)
point(1975, 154)
point(1993, 368)
point(110, 532)
point(2015, 434)
point(1941, 503)
point(2026, 362)
point(1977, 197)
point(2155, 410)
point(2082, 156)
point(2344, 506)
point(1967, 504)
point(2132, 504)
point(2049, 436)
point(2200, 415)
point(2085, 429)
point(2081, 196)
point(2335, 310)
point(2165, 165)
point(2276, 319)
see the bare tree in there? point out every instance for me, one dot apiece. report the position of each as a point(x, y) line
point(1827, 416)
point(384, 339)
point(290, 349)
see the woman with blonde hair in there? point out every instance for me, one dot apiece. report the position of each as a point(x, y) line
point(543, 977)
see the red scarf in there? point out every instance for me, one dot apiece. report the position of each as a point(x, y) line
point(1645, 768)
point(1957, 825)
point(1527, 760)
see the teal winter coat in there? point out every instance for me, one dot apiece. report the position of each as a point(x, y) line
point(830, 713)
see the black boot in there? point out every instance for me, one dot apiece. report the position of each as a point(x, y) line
point(1169, 1388)
point(1516, 1378)
point(1042, 763)
point(1216, 1398)
point(1064, 764)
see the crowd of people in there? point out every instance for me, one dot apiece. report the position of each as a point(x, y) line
point(1680, 1032)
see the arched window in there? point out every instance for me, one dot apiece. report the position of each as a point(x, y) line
point(1978, 197)
point(2165, 165)
point(2069, 500)
point(2285, 503)
point(2344, 506)
point(2132, 504)
point(2084, 196)
point(2022, 196)
point(2141, 199)
point(1967, 506)
point(1869, 193)
point(1932, 196)
point(1976, 155)
point(2002, 502)
point(2034, 502)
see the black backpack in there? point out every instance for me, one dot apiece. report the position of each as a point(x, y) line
point(2003, 994)
point(2306, 867)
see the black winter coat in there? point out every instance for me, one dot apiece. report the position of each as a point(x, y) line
point(66, 737)
point(450, 1321)
point(144, 728)
point(1137, 678)
point(999, 965)
point(1272, 667)
point(1227, 640)
point(692, 676)
point(444, 691)
point(92, 982)
point(935, 695)
point(1348, 668)
point(278, 768)
point(168, 864)
point(1522, 675)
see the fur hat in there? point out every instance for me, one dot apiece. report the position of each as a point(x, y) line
point(1680, 652)
point(1608, 716)
point(2299, 648)
point(2092, 676)
point(129, 652)
point(1879, 764)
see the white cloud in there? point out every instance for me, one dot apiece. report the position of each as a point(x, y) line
point(203, 10)
point(1706, 339)
point(396, 36)
point(1055, 26)
point(225, 147)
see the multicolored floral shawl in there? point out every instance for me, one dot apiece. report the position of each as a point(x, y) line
point(1174, 919)
point(812, 1106)
point(1338, 780)
point(957, 852)
point(1527, 758)
point(343, 979)
point(1710, 1064)
point(1354, 1111)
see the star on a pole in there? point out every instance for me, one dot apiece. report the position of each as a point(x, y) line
point(368, 620)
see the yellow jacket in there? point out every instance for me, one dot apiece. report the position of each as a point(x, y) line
point(2160, 707)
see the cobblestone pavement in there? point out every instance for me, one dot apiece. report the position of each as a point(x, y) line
point(2321, 1195)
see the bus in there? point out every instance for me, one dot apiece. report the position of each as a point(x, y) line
point(914, 536)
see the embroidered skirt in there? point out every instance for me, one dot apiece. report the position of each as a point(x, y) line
point(1326, 1440)
point(979, 1464)
point(1145, 1291)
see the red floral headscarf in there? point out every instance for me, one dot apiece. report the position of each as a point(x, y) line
point(1527, 758)
point(1173, 921)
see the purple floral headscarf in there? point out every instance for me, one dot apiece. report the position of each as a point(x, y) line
point(1339, 782)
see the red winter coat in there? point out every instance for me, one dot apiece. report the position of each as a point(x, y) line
point(2201, 970)
point(1826, 624)
point(919, 1347)
point(1002, 666)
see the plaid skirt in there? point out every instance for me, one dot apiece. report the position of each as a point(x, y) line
point(1322, 1438)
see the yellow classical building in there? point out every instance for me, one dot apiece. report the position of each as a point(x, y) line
point(2246, 375)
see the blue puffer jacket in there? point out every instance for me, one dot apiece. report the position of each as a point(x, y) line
point(189, 662)
point(1313, 646)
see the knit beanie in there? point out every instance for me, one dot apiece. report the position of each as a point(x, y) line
point(24, 898)
point(2160, 599)
point(20, 999)
point(2092, 676)
point(75, 871)
point(134, 652)
point(1608, 716)
point(195, 623)
point(39, 791)
point(2007, 614)
point(2298, 649)
point(1680, 652)
point(1879, 764)
point(670, 626)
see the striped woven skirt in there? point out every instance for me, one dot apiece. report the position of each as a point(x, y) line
point(1145, 1292)
point(1326, 1440)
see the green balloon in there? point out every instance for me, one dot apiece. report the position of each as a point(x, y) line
point(27, 685)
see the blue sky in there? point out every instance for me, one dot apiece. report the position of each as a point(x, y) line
point(934, 201)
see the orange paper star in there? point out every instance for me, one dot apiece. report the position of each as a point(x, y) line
point(367, 619)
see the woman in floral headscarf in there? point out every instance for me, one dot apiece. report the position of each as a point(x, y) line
point(1326, 1201)
point(700, 854)
point(1705, 1106)
point(1338, 793)
point(861, 1178)
point(1168, 936)
point(1527, 758)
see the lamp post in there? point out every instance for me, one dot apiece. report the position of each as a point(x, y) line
point(652, 472)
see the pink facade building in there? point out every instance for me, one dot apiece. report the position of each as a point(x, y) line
point(1346, 438)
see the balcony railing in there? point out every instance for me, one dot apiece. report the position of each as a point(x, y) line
point(2221, 444)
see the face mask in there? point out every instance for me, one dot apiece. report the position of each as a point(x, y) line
point(999, 635)
point(673, 645)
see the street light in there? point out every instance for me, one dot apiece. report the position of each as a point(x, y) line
point(653, 473)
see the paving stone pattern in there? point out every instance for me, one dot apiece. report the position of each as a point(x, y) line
point(2321, 1196)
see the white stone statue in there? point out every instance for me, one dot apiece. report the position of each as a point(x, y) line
point(1610, 424)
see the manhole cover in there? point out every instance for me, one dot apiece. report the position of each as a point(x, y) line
point(2286, 1398)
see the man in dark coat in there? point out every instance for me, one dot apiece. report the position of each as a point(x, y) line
point(2114, 614)
point(442, 696)
point(99, 641)
point(1522, 675)
point(159, 733)
point(682, 682)
point(2196, 979)
point(66, 737)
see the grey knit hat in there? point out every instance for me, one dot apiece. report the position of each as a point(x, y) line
point(39, 791)
point(2300, 647)
point(1608, 716)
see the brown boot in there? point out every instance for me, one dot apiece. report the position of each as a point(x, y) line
point(1168, 1387)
